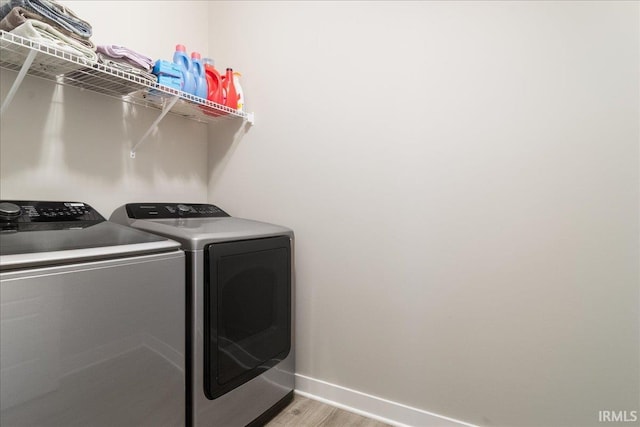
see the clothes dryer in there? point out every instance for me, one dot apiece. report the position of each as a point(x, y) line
point(239, 273)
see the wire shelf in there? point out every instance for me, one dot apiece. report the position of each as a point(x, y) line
point(73, 70)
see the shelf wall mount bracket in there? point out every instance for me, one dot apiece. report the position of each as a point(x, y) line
point(165, 109)
point(18, 81)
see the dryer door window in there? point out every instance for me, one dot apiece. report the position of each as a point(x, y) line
point(247, 313)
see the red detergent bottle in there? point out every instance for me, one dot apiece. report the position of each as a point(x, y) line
point(214, 81)
point(229, 90)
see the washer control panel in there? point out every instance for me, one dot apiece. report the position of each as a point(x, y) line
point(23, 211)
point(28, 215)
point(173, 210)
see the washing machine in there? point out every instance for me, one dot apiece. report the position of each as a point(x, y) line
point(91, 320)
point(240, 351)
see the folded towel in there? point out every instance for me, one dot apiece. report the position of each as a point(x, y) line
point(61, 15)
point(132, 57)
point(18, 15)
point(122, 65)
point(45, 34)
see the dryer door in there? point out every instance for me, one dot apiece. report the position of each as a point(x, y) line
point(247, 311)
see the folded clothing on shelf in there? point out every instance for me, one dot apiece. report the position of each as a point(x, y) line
point(132, 57)
point(59, 14)
point(19, 15)
point(47, 35)
point(125, 66)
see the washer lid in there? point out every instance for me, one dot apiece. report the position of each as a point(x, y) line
point(46, 233)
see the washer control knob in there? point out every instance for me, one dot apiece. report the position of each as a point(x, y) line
point(9, 211)
point(183, 209)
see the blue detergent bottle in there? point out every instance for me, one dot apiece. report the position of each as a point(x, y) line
point(181, 58)
point(199, 75)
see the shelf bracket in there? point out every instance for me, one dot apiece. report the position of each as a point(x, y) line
point(18, 81)
point(165, 109)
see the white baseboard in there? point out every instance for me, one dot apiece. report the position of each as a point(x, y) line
point(370, 406)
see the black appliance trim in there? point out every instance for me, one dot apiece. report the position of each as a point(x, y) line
point(189, 310)
point(212, 390)
point(270, 413)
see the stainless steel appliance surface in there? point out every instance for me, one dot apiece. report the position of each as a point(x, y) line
point(91, 320)
point(240, 309)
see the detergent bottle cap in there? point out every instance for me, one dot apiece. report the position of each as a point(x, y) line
point(195, 55)
point(208, 61)
point(181, 48)
point(237, 73)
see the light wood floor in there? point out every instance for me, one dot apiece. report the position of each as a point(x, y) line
point(304, 412)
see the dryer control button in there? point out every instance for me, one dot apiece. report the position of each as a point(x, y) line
point(183, 209)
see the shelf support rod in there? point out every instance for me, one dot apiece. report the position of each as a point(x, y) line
point(18, 81)
point(167, 107)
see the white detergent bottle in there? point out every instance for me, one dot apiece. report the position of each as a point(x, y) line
point(236, 83)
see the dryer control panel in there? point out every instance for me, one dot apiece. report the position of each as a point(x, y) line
point(173, 210)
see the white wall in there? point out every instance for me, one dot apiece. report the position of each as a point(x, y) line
point(65, 144)
point(463, 182)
